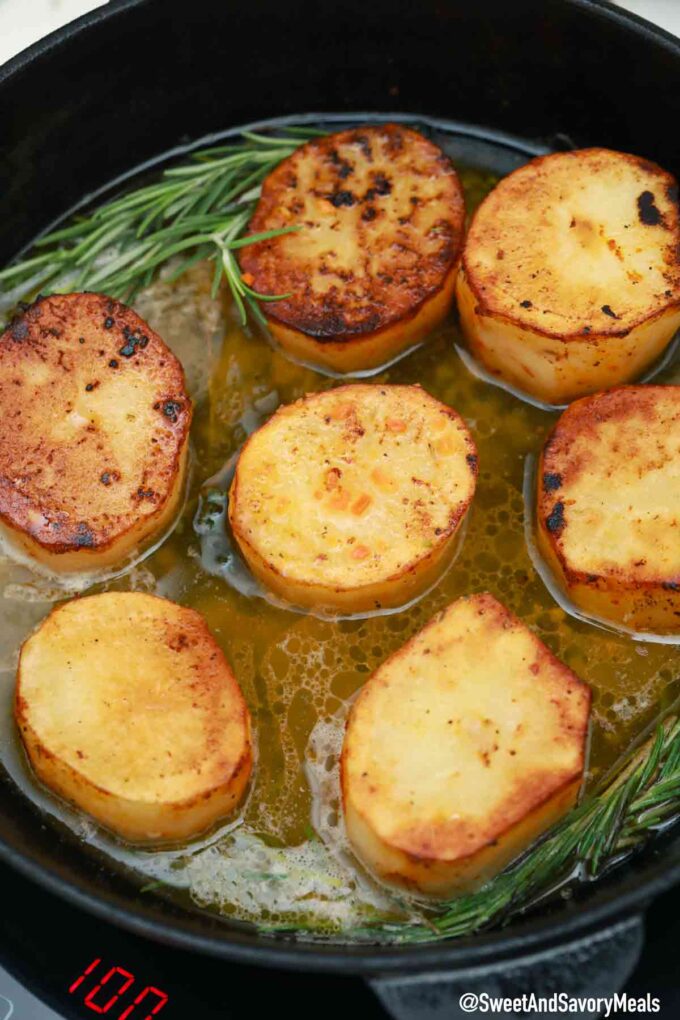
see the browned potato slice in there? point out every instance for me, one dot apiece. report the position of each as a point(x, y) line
point(461, 749)
point(350, 499)
point(95, 433)
point(570, 281)
point(609, 505)
point(128, 708)
point(373, 268)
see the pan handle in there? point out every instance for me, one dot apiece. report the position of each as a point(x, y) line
point(597, 965)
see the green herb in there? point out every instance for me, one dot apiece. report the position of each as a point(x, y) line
point(151, 886)
point(265, 876)
point(195, 210)
point(596, 835)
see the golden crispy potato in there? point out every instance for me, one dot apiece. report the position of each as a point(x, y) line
point(350, 499)
point(570, 280)
point(461, 749)
point(128, 708)
point(372, 270)
point(95, 433)
point(608, 506)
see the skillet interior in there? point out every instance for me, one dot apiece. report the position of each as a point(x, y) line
point(534, 76)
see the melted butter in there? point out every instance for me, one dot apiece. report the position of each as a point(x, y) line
point(285, 858)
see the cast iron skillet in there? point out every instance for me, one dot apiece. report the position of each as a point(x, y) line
point(139, 77)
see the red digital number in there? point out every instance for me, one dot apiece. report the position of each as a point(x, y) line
point(162, 999)
point(79, 981)
point(125, 983)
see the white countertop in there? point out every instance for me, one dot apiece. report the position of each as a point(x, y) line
point(662, 12)
point(23, 22)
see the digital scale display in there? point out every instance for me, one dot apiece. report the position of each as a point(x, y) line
point(115, 991)
point(102, 987)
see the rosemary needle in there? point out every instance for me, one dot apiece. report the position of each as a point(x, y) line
point(196, 210)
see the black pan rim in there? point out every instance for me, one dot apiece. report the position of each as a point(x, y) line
point(609, 905)
point(600, 8)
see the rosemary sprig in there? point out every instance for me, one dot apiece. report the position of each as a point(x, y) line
point(596, 835)
point(195, 210)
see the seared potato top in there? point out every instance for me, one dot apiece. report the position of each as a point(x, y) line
point(95, 420)
point(577, 243)
point(462, 733)
point(609, 491)
point(132, 692)
point(381, 213)
point(353, 485)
